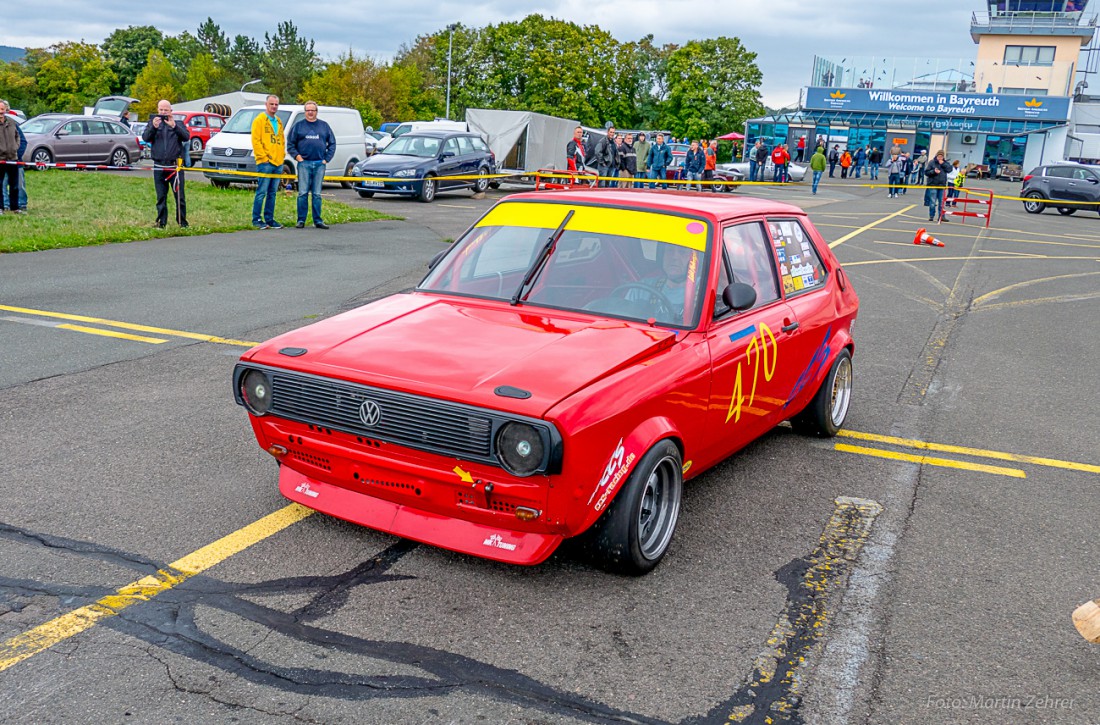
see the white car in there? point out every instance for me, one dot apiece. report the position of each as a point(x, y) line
point(797, 170)
point(376, 141)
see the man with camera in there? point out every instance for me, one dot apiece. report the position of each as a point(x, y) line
point(169, 143)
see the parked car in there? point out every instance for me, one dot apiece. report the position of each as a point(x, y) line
point(201, 127)
point(562, 369)
point(138, 128)
point(231, 149)
point(1067, 181)
point(798, 171)
point(376, 141)
point(676, 171)
point(436, 125)
point(69, 138)
point(419, 164)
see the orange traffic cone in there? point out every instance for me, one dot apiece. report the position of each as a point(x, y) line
point(923, 236)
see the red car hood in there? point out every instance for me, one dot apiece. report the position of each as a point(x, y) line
point(462, 349)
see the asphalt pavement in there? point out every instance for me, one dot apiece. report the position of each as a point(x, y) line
point(949, 531)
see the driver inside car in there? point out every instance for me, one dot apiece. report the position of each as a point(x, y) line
point(671, 284)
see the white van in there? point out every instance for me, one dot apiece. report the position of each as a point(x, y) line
point(437, 125)
point(231, 148)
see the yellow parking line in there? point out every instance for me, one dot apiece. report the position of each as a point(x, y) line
point(1016, 257)
point(111, 333)
point(46, 635)
point(131, 326)
point(963, 450)
point(864, 228)
point(929, 460)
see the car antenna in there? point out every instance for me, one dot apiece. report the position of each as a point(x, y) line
point(544, 253)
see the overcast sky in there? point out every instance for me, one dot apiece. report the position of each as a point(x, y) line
point(785, 34)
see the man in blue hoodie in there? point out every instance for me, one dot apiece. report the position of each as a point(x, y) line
point(312, 144)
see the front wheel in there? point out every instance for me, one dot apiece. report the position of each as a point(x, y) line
point(427, 189)
point(1065, 210)
point(634, 533)
point(482, 182)
point(219, 184)
point(825, 414)
point(347, 172)
point(1034, 203)
point(42, 156)
point(287, 184)
point(365, 194)
point(196, 145)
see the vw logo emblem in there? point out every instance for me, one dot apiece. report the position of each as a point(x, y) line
point(229, 152)
point(370, 413)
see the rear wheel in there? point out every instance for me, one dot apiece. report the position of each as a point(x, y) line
point(120, 157)
point(427, 189)
point(1066, 211)
point(634, 533)
point(825, 414)
point(1034, 203)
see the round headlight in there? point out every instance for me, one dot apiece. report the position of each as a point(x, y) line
point(256, 392)
point(520, 448)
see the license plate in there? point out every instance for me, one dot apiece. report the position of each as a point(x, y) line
point(373, 184)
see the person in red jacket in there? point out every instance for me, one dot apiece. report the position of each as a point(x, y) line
point(710, 153)
point(780, 157)
point(801, 148)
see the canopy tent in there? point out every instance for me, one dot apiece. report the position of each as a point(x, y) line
point(522, 140)
point(732, 136)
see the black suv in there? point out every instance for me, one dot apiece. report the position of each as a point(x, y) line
point(420, 163)
point(1047, 185)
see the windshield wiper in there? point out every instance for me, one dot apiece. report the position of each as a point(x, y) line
point(543, 255)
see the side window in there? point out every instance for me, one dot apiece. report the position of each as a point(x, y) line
point(750, 261)
point(720, 306)
point(99, 128)
point(451, 146)
point(198, 122)
point(1063, 172)
point(464, 145)
point(1083, 174)
point(800, 267)
point(215, 122)
point(479, 144)
point(75, 128)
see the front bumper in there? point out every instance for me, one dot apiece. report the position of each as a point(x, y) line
point(410, 187)
point(211, 164)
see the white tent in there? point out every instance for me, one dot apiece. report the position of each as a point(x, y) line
point(522, 140)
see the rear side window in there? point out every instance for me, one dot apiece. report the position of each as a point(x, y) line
point(215, 122)
point(800, 267)
point(479, 144)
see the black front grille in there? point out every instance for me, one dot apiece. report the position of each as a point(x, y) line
point(410, 420)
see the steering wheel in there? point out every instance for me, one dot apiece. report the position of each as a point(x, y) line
point(661, 308)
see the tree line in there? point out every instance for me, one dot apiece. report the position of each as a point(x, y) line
point(702, 88)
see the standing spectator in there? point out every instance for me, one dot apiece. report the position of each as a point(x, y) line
point(757, 160)
point(874, 161)
point(922, 161)
point(906, 170)
point(710, 154)
point(659, 159)
point(9, 157)
point(5, 198)
point(935, 175)
point(312, 144)
point(834, 159)
point(269, 146)
point(607, 158)
point(894, 168)
point(780, 157)
point(168, 141)
point(861, 160)
point(845, 164)
point(628, 161)
point(800, 149)
point(641, 152)
point(817, 166)
point(124, 119)
point(955, 180)
point(694, 165)
point(575, 153)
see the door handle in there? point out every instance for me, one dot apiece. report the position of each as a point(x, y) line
point(790, 328)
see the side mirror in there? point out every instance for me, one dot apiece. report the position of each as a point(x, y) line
point(739, 296)
point(436, 257)
point(447, 155)
point(62, 132)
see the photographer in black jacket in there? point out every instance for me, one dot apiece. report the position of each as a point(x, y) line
point(169, 143)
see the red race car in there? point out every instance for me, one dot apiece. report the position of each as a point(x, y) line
point(561, 370)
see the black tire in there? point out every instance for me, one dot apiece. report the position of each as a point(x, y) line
point(286, 184)
point(120, 157)
point(1066, 211)
point(196, 145)
point(219, 184)
point(825, 414)
point(482, 182)
point(1034, 203)
point(42, 156)
point(633, 535)
point(427, 189)
point(365, 194)
point(347, 172)
point(494, 184)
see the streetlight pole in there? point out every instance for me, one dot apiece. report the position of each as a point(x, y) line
point(246, 85)
point(450, 46)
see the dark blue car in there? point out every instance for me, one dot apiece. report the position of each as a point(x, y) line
point(424, 163)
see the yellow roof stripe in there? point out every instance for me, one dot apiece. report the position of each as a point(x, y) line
point(660, 227)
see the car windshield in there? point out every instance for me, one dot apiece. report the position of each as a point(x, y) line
point(242, 120)
point(425, 146)
point(655, 272)
point(38, 125)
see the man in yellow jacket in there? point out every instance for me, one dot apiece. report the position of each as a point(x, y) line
point(269, 147)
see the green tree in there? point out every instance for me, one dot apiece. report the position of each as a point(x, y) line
point(347, 81)
point(288, 61)
point(205, 78)
point(713, 87)
point(213, 40)
point(73, 75)
point(17, 85)
point(127, 50)
point(244, 61)
point(181, 50)
point(156, 81)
